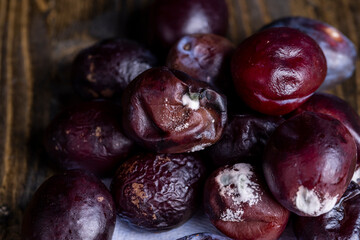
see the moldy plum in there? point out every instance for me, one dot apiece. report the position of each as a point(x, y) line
point(158, 192)
point(167, 111)
point(106, 68)
point(205, 57)
point(88, 136)
point(204, 236)
point(339, 51)
point(70, 206)
point(172, 19)
point(244, 139)
point(342, 222)
point(276, 70)
point(238, 203)
point(308, 163)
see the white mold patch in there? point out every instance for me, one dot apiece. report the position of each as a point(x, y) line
point(309, 202)
point(192, 103)
point(236, 183)
point(356, 176)
point(200, 147)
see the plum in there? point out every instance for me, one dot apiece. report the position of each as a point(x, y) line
point(244, 139)
point(339, 51)
point(276, 70)
point(158, 191)
point(238, 203)
point(342, 222)
point(204, 236)
point(309, 162)
point(104, 70)
point(166, 111)
point(205, 57)
point(172, 19)
point(72, 205)
point(88, 136)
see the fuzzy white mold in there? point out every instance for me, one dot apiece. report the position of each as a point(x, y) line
point(192, 103)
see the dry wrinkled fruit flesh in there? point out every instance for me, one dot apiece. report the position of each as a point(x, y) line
point(158, 191)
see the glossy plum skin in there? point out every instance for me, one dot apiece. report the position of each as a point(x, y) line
point(204, 236)
point(70, 206)
point(104, 70)
point(88, 136)
point(342, 222)
point(158, 191)
point(172, 19)
point(205, 57)
point(166, 111)
point(276, 70)
point(244, 139)
point(339, 51)
point(238, 203)
point(338, 109)
point(309, 162)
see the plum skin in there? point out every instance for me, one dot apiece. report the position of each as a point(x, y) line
point(339, 51)
point(166, 111)
point(342, 222)
point(172, 19)
point(276, 70)
point(158, 192)
point(104, 69)
point(88, 136)
point(70, 206)
point(236, 214)
point(311, 155)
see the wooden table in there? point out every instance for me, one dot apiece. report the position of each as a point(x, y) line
point(38, 40)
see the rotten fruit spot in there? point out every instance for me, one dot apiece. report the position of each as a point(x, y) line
point(191, 100)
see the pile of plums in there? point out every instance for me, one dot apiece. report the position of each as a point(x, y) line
point(241, 131)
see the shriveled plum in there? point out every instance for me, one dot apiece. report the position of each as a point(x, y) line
point(244, 139)
point(167, 111)
point(70, 206)
point(106, 68)
point(342, 222)
point(339, 51)
point(309, 162)
point(88, 136)
point(276, 70)
point(158, 191)
point(238, 203)
point(204, 236)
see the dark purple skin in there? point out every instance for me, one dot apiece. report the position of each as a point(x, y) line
point(341, 223)
point(158, 191)
point(70, 206)
point(106, 68)
point(172, 19)
point(231, 211)
point(203, 236)
point(88, 136)
point(205, 57)
point(278, 69)
point(156, 117)
point(339, 51)
point(338, 109)
point(244, 139)
point(311, 152)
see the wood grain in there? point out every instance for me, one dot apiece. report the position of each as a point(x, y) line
point(39, 39)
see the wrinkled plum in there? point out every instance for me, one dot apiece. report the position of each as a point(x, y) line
point(204, 236)
point(88, 136)
point(106, 68)
point(205, 57)
point(339, 109)
point(276, 70)
point(168, 112)
point(244, 139)
point(339, 51)
point(238, 203)
point(70, 206)
point(308, 163)
point(172, 19)
point(158, 192)
point(342, 222)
